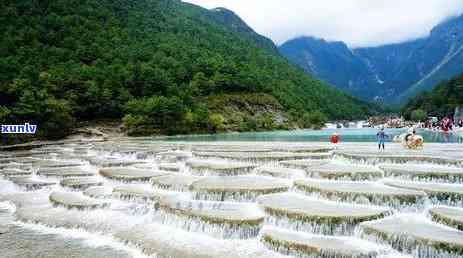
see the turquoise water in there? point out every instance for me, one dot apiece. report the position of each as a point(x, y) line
point(347, 135)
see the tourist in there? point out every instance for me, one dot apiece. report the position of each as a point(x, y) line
point(334, 139)
point(381, 136)
point(446, 125)
point(412, 133)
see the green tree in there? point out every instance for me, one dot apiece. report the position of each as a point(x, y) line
point(419, 115)
point(4, 114)
point(133, 121)
point(200, 117)
point(216, 122)
point(314, 120)
point(440, 102)
point(165, 114)
point(265, 122)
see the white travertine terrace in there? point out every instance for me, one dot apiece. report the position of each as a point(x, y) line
point(182, 199)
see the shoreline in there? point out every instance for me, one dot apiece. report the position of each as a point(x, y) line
point(101, 130)
point(92, 135)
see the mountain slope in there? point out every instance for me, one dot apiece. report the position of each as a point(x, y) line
point(392, 72)
point(153, 62)
point(441, 101)
point(445, 47)
point(332, 62)
point(232, 21)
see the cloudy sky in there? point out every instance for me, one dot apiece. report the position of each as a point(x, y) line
point(357, 22)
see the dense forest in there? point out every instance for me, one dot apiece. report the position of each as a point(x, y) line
point(161, 65)
point(440, 102)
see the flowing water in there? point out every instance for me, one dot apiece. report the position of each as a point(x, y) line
point(141, 197)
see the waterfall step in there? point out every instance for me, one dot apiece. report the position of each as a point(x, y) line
point(137, 191)
point(99, 192)
point(301, 207)
point(149, 166)
point(400, 158)
point(415, 230)
point(439, 190)
point(56, 164)
point(214, 212)
point(423, 171)
point(451, 216)
point(76, 200)
point(65, 172)
point(15, 172)
point(237, 185)
point(219, 168)
point(298, 243)
point(171, 167)
point(339, 171)
point(15, 166)
point(113, 162)
point(174, 182)
point(81, 182)
point(30, 182)
point(131, 174)
point(175, 155)
point(303, 164)
point(22, 160)
point(359, 192)
point(281, 172)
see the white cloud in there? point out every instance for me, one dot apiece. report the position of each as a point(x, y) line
point(356, 22)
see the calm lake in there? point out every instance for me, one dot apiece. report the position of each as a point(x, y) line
point(347, 135)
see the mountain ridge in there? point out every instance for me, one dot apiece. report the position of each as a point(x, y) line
point(392, 72)
point(232, 21)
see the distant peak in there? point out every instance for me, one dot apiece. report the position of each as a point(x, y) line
point(317, 40)
point(310, 38)
point(221, 9)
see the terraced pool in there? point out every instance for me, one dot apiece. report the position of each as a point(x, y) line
point(136, 197)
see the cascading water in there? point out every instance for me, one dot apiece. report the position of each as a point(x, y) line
point(220, 213)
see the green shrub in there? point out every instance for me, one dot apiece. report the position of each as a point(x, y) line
point(4, 114)
point(200, 118)
point(419, 115)
point(132, 121)
point(165, 114)
point(216, 122)
point(265, 122)
point(315, 120)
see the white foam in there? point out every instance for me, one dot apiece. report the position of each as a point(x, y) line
point(89, 239)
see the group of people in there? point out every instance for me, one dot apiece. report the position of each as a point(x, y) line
point(445, 125)
point(381, 137)
point(410, 140)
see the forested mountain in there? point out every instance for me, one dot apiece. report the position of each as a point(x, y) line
point(391, 72)
point(232, 21)
point(162, 64)
point(440, 102)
